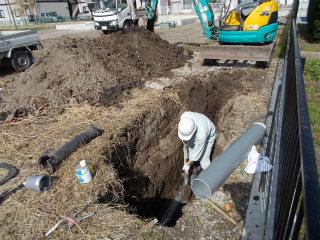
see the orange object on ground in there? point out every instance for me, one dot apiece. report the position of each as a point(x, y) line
point(228, 208)
point(11, 117)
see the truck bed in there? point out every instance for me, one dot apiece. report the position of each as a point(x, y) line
point(19, 39)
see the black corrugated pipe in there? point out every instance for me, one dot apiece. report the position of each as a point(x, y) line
point(51, 161)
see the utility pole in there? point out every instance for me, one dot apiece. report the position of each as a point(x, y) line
point(9, 13)
point(37, 12)
point(14, 20)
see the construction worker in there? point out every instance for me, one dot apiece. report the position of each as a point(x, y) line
point(199, 134)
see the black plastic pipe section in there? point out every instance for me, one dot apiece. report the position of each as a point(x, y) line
point(11, 172)
point(51, 161)
point(7, 194)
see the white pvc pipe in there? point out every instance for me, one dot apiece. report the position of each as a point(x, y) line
point(220, 169)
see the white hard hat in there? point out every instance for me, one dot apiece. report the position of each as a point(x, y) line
point(186, 128)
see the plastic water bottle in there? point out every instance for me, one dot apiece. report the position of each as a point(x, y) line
point(83, 172)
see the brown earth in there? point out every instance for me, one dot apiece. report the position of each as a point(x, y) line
point(134, 89)
point(85, 70)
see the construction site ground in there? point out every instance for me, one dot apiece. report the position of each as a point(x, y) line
point(134, 86)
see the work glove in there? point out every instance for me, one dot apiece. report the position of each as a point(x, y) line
point(186, 168)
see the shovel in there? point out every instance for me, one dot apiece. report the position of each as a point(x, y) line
point(186, 188)
point(185, 161)
point(183, 197)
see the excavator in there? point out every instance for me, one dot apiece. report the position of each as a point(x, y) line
point(245, 33)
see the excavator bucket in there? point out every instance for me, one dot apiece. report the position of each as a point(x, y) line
point(141, 12)
point(144, 20)
point(259, 53)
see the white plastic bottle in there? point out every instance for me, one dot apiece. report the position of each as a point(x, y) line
point(83, 172)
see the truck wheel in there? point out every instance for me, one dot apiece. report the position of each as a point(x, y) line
point(20, 60)
point(126, 26)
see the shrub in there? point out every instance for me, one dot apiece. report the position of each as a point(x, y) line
point(312, 70)
point(314, 19)
point(316, 32)
point(281, 45)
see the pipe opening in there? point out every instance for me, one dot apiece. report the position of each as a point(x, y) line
point(202, 189)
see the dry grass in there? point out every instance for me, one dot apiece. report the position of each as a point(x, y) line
point(27, 212)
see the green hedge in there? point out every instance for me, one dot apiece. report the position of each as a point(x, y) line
point(314, 19)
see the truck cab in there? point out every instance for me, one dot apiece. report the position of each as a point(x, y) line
point(114, 15)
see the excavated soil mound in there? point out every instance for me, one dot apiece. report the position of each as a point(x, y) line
point(95, 70)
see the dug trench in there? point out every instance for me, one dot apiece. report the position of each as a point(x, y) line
point(148, 155)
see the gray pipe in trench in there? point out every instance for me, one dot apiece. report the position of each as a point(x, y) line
point(220, 169)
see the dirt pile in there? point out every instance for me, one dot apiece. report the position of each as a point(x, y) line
point(95, 70)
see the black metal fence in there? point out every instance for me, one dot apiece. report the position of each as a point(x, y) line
point(285, 202)
point(297, 201)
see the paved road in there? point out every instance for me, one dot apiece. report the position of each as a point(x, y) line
point(190, 33)
point(310, 55)
point(54, 33)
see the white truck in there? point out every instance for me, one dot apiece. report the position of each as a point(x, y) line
point(17, 47)
point(114, 15)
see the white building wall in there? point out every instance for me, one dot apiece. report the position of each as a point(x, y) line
point(60, 7)
point(304, 4)
point(233, 3)
point(6, 11)
point(285, 2)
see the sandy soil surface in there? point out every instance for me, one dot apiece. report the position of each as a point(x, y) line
point(134, 86)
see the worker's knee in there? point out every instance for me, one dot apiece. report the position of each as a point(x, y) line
point(215, 137)
point(205, 163)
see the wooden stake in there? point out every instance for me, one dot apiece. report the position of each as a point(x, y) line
point(238, 224)
point(143, 229)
